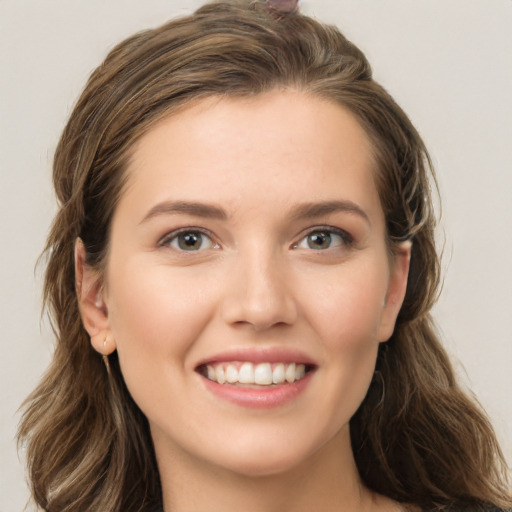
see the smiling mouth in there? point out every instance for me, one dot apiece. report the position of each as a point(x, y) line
point(238, 373)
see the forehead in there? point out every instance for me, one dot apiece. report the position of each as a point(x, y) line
point(287, 142)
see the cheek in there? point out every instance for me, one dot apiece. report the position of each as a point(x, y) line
point(347, 309)
point(346, 316)
point(154, 311)
point(156, 315)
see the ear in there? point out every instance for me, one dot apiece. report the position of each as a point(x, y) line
point(93, 310)
point(399, 266)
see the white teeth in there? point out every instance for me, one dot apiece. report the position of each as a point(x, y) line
point(210, 372)
point(300, 371)
point(290, 373)
point(262, 374)
point(246, 374)
point(231, 374)
point(219, 374)
point(278, 374)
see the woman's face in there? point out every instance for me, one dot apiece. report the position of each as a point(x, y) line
point(249, 283)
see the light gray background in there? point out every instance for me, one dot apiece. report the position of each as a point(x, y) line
point(447, 62)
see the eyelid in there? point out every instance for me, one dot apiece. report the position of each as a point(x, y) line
point(347, 238)
point(169, 237)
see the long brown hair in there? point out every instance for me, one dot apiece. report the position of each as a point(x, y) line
point(417, 437)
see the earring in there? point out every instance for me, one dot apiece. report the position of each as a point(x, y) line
point(107, 365)
point(105, 357)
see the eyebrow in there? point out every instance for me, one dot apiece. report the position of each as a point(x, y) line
point(313, 210)
point(299, 212)
point(187, 208)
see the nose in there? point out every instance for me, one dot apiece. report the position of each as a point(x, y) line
point(259, 294)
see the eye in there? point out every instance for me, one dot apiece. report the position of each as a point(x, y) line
point(322, 239)
point(190, 241)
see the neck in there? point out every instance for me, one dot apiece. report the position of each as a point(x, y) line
point(326, 481)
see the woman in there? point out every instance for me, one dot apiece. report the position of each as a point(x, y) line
point(246, 238)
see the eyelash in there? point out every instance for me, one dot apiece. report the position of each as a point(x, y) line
point(168, 239)
point(346, 239)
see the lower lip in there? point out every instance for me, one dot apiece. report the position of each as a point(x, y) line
point(259, 398)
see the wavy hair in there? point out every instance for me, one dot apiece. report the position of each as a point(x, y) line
point(417, 437)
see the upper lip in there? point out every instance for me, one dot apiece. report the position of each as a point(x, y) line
point(260, 355)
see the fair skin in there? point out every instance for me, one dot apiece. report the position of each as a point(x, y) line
point(250, 232)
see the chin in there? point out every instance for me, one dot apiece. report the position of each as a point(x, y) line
point(265, 459)
point(258, 467)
